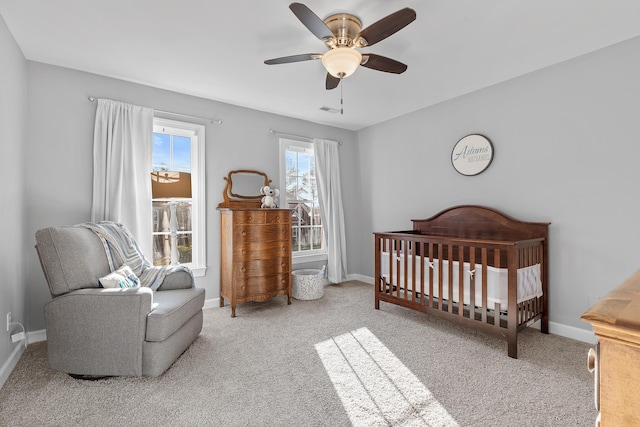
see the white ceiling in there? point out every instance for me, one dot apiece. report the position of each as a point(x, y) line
point(215, 49)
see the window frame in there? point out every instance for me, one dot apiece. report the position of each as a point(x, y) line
point(298, 257)
point(198, 210)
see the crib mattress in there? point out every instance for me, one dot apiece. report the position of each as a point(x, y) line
point(528, 280)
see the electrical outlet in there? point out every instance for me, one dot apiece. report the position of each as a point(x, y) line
point(8, 320)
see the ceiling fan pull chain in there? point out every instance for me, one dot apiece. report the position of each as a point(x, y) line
point(341, 103)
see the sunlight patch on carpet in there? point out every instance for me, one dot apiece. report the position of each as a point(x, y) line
point(375, 387)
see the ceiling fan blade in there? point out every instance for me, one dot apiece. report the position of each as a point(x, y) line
point(382, 63)
point(293, 58)
point(387, 26)
point(332, 82)
point(311, 21)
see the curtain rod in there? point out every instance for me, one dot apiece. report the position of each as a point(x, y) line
point(93, 99)
point(275, 132)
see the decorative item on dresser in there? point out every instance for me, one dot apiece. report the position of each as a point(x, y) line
point(469, 264)
point(615, 361)
point(255, 243)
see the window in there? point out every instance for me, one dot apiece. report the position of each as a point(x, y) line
point(300, 193)
point(178, 154)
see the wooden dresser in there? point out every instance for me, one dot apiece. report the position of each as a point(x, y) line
point(616, 359)
point(255, 255)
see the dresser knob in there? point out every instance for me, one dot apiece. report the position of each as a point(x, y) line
point(243, 269)
point(249, 218)
point(244, 251)
point(244, 233)
point(591, 360)
point(283, 281)
point(283, 264)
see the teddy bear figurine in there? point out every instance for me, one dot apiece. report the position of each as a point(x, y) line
point(270, 197)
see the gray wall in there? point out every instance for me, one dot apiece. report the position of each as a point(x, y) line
point(566, 151)
point(59, 166)
point(13, 86)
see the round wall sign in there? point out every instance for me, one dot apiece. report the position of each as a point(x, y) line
point(472, 155)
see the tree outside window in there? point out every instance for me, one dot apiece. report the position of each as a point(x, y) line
point(301, 195)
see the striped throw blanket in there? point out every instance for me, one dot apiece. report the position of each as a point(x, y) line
point(121, 248)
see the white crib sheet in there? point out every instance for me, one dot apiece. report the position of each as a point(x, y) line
point(529, 283)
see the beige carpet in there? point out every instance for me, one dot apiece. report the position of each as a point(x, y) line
point(331, 362)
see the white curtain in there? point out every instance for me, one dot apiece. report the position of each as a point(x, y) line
point(331, 210)
point(122, 147)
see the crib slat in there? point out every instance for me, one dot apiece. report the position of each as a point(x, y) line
point(472, 283)
point(450, 281)
point(422, 252)
point(385, 249)
point(388, 250)
point(484, 285)
point(440, 265)
point(413, 273)
point(396, 282)
point(390, 283)
point(430, 275)
point(405, 276)
point(512, 316)
point(496, 261)
point(461, 280)
point(533, 312)
point(377, 273)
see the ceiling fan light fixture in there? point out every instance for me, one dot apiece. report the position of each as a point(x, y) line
point(341, 62)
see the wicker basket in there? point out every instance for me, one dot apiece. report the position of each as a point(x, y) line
point(308, 284)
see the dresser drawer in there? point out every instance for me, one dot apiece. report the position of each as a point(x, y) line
point(261, 233)
point(249, 217)
point(261, 285)
point(262, 250)
point(262, 267)
point(262, 216)
point(278, 217)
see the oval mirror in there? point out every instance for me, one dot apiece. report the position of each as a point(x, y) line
point(242, 188)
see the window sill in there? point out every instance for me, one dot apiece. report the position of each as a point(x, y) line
point(303, 259)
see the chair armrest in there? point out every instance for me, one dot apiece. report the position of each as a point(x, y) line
point(178, 279)
point(98, 331)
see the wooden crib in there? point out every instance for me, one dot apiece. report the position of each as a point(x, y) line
point(472, 265)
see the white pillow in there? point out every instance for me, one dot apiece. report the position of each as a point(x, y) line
point(123, 277)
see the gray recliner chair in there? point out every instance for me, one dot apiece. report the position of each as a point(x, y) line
point(95, 331)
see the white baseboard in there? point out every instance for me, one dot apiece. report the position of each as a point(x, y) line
point(36, 336)
point(573, 332)
point(11, 363)
point(8, 366)
point(361, 278)
point(212, 303)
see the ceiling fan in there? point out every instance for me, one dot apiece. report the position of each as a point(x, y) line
point(342, 33)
